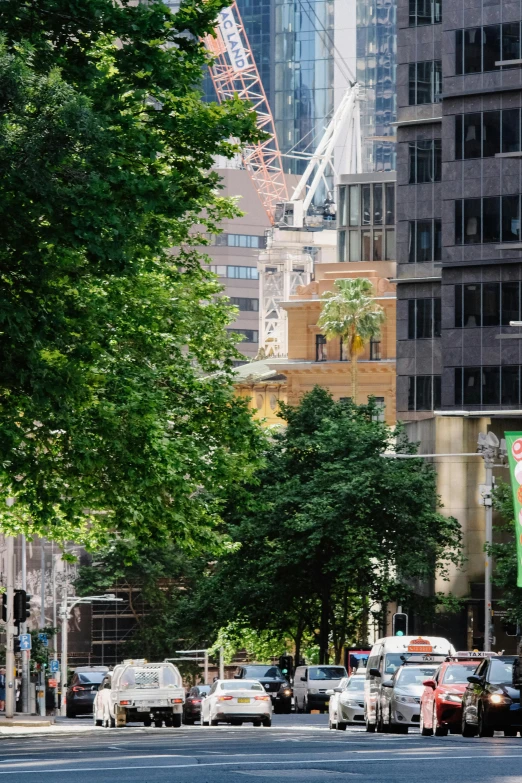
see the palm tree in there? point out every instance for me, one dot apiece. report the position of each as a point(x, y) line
point(351, 312)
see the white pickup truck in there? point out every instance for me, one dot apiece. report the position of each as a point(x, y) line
point(139, 692)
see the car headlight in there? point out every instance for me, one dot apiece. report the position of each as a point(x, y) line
point(456, 698)
point(406, 699)
point(313, 691)
point(286, 691)
point(352, 704)
point(499, 698)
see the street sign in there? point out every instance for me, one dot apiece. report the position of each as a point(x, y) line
point(54, 666)
point(43, 638)
point(53, 683)
point(25, 641)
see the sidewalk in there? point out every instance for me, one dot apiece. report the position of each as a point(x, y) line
point(22, 725)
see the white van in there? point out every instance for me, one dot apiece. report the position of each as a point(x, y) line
point(311, 684)
point(387, 655)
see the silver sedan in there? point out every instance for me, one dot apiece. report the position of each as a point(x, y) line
point(347, 702)
point(400, 700)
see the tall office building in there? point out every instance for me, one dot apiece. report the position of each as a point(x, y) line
point(460, 249)
point(376, 73)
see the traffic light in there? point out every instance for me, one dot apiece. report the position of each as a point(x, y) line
point(400, 624)
point(286, 664)
point(22, 606)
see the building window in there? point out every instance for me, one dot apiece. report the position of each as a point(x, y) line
point(250, 241)
point(425, 241)
point(486, 134)
point(250, 335)
point(424, 392)
point(479, 49)
point(425, 12)
point(342, 246)
point(343, 352)
point(487, 386)
point(487, 304)
point(244, 304)
point(487, 220)
point(379, 409)
point(424, 319)
point(425, 161)
point(237, 272)
point(425, 82)
point(375, 351)
point(321, 348)
point(371, 205)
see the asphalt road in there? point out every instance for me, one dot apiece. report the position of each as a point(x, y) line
point(297, 747)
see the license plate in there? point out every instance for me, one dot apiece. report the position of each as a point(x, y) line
point(243, 701)
point(150, 704)
point(326, 704)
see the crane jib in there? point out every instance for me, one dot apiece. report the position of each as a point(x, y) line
point(232, 40)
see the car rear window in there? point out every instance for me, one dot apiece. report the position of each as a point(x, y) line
point(411, 675)
point(91, 678)
point(272, 672)
point(326, 672)
point(241, 685)
point(457, 674)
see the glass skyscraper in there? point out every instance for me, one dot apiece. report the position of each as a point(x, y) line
point(376, 73)
point(304, 74)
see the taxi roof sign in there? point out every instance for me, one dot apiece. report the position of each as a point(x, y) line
point(420, 645)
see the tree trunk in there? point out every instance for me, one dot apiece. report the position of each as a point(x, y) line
point(324, 627)
point(354, 368)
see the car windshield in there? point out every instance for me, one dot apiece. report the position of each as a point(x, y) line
point(457, 674)
point(242, 685)
point(267, 672)
point(91, 678)
point(500, 672)
point(393, 662)
point(355, 684)
point(412, 675)
point(326, 672)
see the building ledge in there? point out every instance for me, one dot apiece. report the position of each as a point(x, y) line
point(422, 121)
point(509, 155)
point(496, 412)
point(415, 279)
point(483, 91)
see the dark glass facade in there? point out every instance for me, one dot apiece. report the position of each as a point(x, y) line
point(376, 73)
point(459, 230)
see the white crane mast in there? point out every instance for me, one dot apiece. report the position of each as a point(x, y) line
point(288, 259)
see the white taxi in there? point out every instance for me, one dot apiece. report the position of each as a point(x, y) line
point(236, 702)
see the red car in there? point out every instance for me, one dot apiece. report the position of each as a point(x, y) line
point(441, 701)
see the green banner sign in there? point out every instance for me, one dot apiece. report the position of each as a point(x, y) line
point(514, 450)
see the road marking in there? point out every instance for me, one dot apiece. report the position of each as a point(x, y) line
point(135, 768)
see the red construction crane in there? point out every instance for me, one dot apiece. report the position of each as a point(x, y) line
point(234, 72)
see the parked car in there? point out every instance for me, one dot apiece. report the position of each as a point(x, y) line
point(274, 682)
point(441, 700)
point(387, 655)
point(311, 684)
point(400, 698)
point(237, 702)
point(192, 706)
point(347, 702)
point(491, 702)
point(82, 689)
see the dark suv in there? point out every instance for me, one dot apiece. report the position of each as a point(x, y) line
point(273, 681)
point(82, 689)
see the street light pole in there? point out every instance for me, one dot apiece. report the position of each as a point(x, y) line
point(490, 449)
point(10, 689)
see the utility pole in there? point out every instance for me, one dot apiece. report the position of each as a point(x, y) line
point(41, 687)
point(221, 663)
point(64, 617)
point(10, 690)
point(26, 654)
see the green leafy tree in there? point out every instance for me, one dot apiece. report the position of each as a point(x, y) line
point(117, 413)
point(330, 527)
point(504, 553)
point(351, 313)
